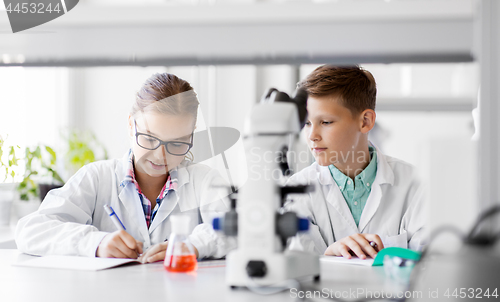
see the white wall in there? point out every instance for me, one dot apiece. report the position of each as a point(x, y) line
point(33, 108)
point(30, 104)
point(105, 97)
point(440, 146)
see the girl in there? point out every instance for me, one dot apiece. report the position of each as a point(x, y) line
point(153, 181)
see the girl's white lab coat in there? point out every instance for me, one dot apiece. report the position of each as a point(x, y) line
point(395, 209)
point(72, 220)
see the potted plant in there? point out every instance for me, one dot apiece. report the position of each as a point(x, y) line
point(55, 180)
point(8, 165)
point(83, 148)
point(40, 176)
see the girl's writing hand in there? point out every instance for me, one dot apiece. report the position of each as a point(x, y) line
point(119, 244)
point(358, 244)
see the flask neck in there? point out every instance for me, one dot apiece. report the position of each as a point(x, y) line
point(177, 237)
point(180, 224)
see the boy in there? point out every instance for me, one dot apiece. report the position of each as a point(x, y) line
point(363, 200)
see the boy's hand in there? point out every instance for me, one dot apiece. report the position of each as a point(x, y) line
point(358, 244)
point(157, 253)
point(119, 244)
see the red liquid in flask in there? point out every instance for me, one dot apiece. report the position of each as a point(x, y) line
point(182, 263)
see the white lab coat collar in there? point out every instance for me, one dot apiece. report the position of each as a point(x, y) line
point(172, 198)
point(182, 173)
point(335, 198)
point(385, 176)
point(130, 199)
point(384, 170)
point(324, 175)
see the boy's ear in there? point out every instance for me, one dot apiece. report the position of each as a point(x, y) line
point(367, 120)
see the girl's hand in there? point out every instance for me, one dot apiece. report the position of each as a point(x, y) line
point(157, 253)
point(119, 244)
point(154, 253)
point(357, 244)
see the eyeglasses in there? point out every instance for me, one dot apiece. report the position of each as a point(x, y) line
point(150, 142)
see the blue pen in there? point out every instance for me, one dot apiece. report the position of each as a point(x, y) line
point(119, 225)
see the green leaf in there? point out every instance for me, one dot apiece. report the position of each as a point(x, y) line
point(51, 151)
point(81, 148)
point(52, 154)
point(37, 153)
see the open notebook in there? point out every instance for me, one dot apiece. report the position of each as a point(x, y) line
point(379, 259)
point(93, 264)
point(353, 260)
point(75, 263)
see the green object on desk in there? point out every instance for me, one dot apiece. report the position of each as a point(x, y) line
point(398, 252)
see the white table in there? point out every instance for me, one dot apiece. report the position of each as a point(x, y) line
point(151, 282)
point(7, 237)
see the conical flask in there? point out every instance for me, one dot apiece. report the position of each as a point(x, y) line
point(180, 256)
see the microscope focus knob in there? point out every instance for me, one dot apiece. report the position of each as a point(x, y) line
point(216, 224)
point(303, 224)
point(228, 223)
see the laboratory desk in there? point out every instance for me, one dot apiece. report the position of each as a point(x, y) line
point(471, 273)
point(151, 282)
point(7, 237)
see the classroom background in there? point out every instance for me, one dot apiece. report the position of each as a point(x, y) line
point(424, 110)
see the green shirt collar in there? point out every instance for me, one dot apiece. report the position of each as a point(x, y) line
point(367, 176)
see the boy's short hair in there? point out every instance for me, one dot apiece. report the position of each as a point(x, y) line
point(354, 87)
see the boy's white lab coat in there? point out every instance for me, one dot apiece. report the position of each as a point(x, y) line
point(72, 220)
point(395, 209)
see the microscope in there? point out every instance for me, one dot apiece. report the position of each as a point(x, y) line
point(261, 258)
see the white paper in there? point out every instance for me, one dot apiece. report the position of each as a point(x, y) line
point(212, 263)
point(75, 263)
point(353, 260)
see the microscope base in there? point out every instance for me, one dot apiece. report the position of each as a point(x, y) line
point(278, 267)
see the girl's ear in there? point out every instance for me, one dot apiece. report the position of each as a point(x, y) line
point(130, 126)
point(367, 120)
